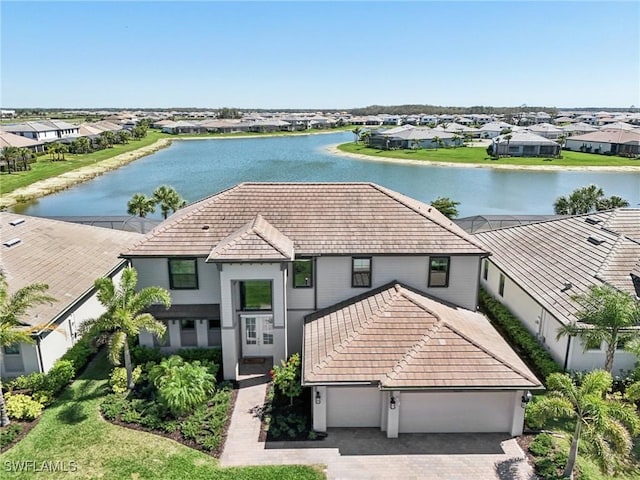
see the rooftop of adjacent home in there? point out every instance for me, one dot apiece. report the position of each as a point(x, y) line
point(68, 257)
point(556, 259)
point(254, 221)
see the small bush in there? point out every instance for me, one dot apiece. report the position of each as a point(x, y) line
point(22, 407)
point(118, 378)
point(81, 352)
point(9, 434)
point(33, 382)
point(286, 377)
point(141, 355)
point(60, 375)
point(213, 355)
point(113, 406)
point(541, 445)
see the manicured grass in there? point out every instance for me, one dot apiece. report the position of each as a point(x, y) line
point(478, 155)
point(44, 168)
point(71, 430)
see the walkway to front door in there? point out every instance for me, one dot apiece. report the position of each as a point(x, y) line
point(352, 453)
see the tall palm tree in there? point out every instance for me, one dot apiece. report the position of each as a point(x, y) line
point(168, 199)
point(416, 143)
point(12, 330)
point(581, 200)
point(123, 136)
point(562, 139)
point(141, 205)
point(356, 132)
point(437, 141)
point(25, 155)
point(508, 138)
point(613, 201)
point(9, 155)
point(606, 315)
point(124, 317)
point(456, 140)
point(52, 149)
point(606, 424)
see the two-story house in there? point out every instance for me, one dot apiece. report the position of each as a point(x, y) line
point(377, 290)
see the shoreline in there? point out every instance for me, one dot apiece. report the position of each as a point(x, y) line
point(333, 149)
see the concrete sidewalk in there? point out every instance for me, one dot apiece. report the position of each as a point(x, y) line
point(366, 453)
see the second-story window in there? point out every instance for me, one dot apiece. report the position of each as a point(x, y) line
point(183, 273)
point(303, 273)
point(256, 295)
point(361, 272)
point(438, 272)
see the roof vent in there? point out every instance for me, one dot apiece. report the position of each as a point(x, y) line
point(17, 221)
point(567, 286)
point(12, 242)
point(205, 227)
point(592, 221)
point(595, 240)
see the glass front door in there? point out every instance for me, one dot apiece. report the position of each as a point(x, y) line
point(257, 335)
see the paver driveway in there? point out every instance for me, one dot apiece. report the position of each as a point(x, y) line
point(365, 453)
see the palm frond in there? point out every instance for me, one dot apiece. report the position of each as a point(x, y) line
point(116, 344)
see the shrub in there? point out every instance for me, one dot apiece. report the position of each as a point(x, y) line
point(286, 377)
point(22, 407)
point(81, 352)
point(9, 434)
point(33, 382)
point(60, 375)
point(118, 378)
point(141, 355)
point(541, 445)
point(113, 406)
point(213, 355)
point(181, 385)
point(518, 336)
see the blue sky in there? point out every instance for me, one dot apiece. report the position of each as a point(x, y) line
point(319, 54)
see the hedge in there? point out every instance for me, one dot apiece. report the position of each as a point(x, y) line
point(525, 344)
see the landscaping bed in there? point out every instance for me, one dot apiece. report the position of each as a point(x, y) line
point(282, 421)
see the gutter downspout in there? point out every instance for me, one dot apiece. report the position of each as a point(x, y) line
point(566, 356)
point(39, 354)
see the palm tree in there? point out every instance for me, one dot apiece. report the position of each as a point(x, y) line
point(580, 201)
point(141, 205)
point(123, 136)
point(508, 138)
point(416, 143)
point(456, 140)
point(52, 148)
point(437, 141)
point(168, 199)
point(12, 330)
point(356, 132)
point(25, 155)
point(562, 139)
point(9, 155)
point(109, 138)
point(613, 201)
point(365, 137)
point(606, 424)
point(62, 149)
point(607, 315)
point(123, 318)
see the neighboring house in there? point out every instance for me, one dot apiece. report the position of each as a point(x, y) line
point(44, 130)
point(8, 139)
point(578, 128)
point(524, 144)
point(546, 130)
point(616, 142)
point(407, 136)
point(183, 126)
point(493, 129)
point(268, 269)
point(67, 257)
point(535, 270)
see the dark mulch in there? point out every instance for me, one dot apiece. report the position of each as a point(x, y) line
point(280, 406)
point(26, 428)
point(177, 436)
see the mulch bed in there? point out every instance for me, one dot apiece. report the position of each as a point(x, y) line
point(26, 428)
point(281, 406)
point(177, 436)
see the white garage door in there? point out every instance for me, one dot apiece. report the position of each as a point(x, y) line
point(353, 406)
point(434, 412)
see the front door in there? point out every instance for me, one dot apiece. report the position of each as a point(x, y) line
point(257, 335)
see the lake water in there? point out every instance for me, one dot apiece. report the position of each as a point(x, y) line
point(203, 167)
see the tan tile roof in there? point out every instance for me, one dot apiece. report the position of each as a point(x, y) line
point(542, 257)
point(8, 139)
point(320, 218)
point(399, 338)
point(256, 240)
point(625, 221)
point(66, 256)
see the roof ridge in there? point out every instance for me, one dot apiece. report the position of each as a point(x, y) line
point(388, 193)
point(255, 228)
point(491, 354)
point(416, 347)
point(357, 331)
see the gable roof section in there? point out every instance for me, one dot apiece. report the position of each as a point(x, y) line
point(402, 339)
point(8, 139)
point(66, 256)
point(319, 218)
point(256, 240)
point(581, 250)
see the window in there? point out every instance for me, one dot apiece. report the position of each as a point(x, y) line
point(255, 295)
point(188, 324)
point(501, 286)
point(439, 272)
point(183, 273)
point(303, 273)
point(12, 349)
point(251, 331)
point(361, 272)
point(188, 334)
point(485, 271)
point(267, 331)
point(591, 344)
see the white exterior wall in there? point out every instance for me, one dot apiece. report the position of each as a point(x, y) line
point(453, 412)
point(582, 360)
point(576, 144)
point(155, 272)
point(334, 278)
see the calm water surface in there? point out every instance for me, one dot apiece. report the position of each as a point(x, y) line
point(203, 167)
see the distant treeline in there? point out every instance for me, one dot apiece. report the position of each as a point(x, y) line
point(438, 110)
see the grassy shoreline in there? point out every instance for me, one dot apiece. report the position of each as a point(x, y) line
point(477, 157)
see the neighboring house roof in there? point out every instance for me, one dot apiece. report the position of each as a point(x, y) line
point(319, 218)
point(545, 128)
point(482, 223)
point(8, 139)
point(29, 127)
point(579, 251)
point(66, 256)
point(579, 127)
point(399, 338)
point(257, 240)
point(610, 136)
point(618, 126)
point(523, 138)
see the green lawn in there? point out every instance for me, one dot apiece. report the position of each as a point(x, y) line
point(72, 430)
point(478, 155)
point(44, 168)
